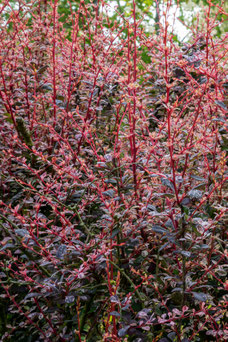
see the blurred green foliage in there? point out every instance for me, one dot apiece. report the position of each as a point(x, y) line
point(149, 10)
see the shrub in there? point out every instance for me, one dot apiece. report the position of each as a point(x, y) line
point(113, 168)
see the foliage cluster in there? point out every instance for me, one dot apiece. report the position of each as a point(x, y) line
point(113, 151)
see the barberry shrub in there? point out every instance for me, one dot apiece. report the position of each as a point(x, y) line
point(113, 168)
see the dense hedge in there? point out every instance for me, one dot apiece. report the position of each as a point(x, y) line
point(113, 178)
